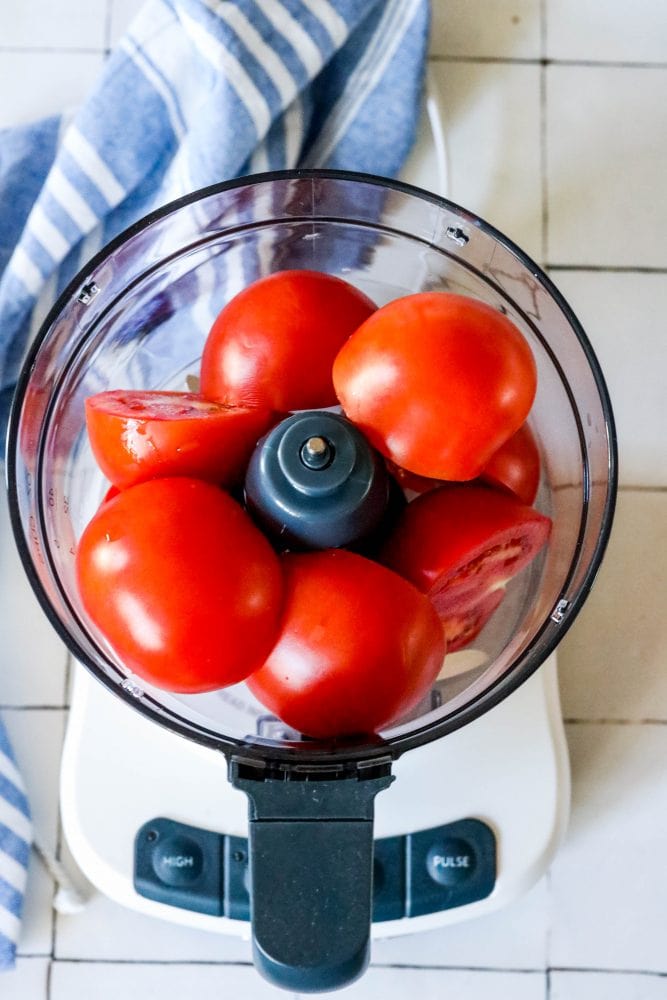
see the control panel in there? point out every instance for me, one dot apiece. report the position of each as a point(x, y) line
point(422, 872)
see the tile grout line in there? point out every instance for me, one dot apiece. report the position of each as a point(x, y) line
point(615, 722)
point(544, 185)
point(543, 61)
point(608, 268)
point(107, 25)
point(490, 969)
point(33, 708)
point(50, 50)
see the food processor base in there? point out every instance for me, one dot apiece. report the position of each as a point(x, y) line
point(508, 769)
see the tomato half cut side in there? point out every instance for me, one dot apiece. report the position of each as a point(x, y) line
point(137, 435)
point(358, 647)
point(459, 541)
point(463, 625)
point(274, 343)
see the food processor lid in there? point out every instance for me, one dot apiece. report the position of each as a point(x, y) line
point(387, 238)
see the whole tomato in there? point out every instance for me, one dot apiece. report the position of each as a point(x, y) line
point(516, 466)
point(181, 584)
point(437, 382)
point(136, 435)
point(358, 647)
point(274, 343)
point(461, 541)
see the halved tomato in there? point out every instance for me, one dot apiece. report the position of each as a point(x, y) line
point(462, 626)
point(137, 435)
point(461, 540)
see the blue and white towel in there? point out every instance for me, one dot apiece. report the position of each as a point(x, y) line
point(15, 840)
point(197, 92)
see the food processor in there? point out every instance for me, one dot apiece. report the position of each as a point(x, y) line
point(205, 808)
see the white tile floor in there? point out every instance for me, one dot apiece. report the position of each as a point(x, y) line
point(566, 150)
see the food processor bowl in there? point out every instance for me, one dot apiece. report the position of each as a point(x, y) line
point(137, 317)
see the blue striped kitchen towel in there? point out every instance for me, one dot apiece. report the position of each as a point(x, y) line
point(15, 840)
point(200, 91)
point(197, 92)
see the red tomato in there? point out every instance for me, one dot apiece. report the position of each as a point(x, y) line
point(112, 492)
point(464, 625)
point(181, 584)
point(437, 382)
point(410, 481)
point(139, 435)
point(274, 343)
point(459, 541)
point(358, 647)
point(516, 466)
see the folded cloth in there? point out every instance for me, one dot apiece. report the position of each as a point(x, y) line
point(15, 840)
point(197, 92)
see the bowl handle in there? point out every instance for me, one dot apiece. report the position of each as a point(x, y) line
point(311, 864)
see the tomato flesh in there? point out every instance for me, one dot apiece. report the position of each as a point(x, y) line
point(274, 343)
point(137, 435)
point(437, 382)
point(460, 540)
point(181, 584)
point(358, 647)
point(462, 626)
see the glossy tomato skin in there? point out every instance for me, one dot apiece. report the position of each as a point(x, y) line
point(457, 542)
point(137, 435)
point(358, 647)
point(182, 585)
point(516, 466)
point(273, 345)
point(437, 382)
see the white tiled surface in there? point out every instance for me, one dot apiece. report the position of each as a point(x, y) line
point(515, 937)
point(569, 159)
point(68, 24)
point(584, 985)
point(105, 930)
point(486, 28)
point(606, 163)
point(613, 662)
point(609, 881)
point(29, 980)
point(38, 84)
point(132, 982)
point(494, 152)
point(580, 29)
point(623, 314)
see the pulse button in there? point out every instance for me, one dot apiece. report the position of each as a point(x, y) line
point(451, 861)
point(178, 860)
